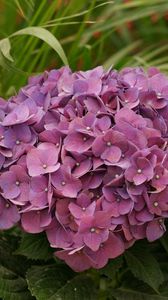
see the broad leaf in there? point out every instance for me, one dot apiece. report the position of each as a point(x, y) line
point(58, 283)
point(164, 241)
point(15, 263)
point(45, 281)
point(81, 287)
point(144, 266)
point(126, 293)
point(12, 286)
point(35, 246)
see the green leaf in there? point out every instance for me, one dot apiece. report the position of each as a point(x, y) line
point(57, 282)
point(35, 246)
point(134, 289)
point(45, 281)
point(112, 267)
point(81, 287)
point(38, 32)
point(15, 263)
point(12, 286)
point(126, 293)
point(144, 267)
point(164, 241)
point(5, 48)
point(46, 36)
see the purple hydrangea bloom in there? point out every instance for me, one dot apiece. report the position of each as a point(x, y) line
point(141, 168)
point(79, 261)
point(39, 220)
point(83, 207)
point(41, 191)
point(111, 248)
point(9, 214)
point(93, 230)
point(115, 204)
point(65, 183)
point(84, 157)
point(13, 184)
point(39, 162)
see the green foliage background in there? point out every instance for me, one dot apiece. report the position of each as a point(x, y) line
point(36, 35)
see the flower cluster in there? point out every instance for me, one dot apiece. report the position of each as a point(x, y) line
point(84, 157)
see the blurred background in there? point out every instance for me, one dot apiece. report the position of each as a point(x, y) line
point(91, 32)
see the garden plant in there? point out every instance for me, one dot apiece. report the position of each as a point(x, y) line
point(84, 150)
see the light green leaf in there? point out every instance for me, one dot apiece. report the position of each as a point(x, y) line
point(38, 32)
point(144, 267)
point(5, 48)
point(46, 36)
point(35, 246)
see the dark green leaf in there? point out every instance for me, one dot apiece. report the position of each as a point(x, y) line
point(112, 267)
point(35, 246)
point(81, 287)
point(164, 241)
point(58, 283)
point(130, 294)
point(45, 281)
point(15, 263)
point(144, 266)
point(12, 286)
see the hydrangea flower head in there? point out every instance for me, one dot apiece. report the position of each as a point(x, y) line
point(84, 158)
